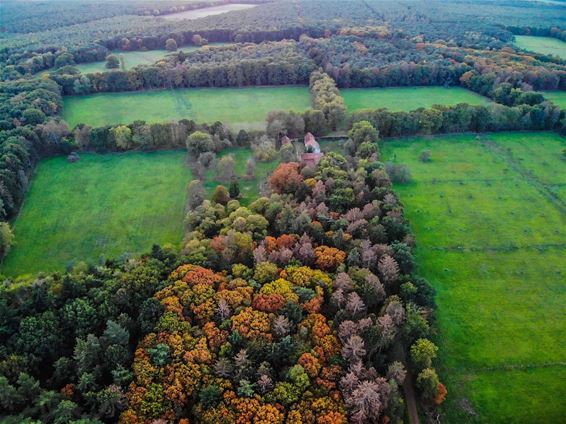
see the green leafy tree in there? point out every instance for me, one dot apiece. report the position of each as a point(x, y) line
point(221, 195)
point(234, 189)
point(112, 61)
point(170, 45)
point(427, 383)
point(199, 142)
point(122, 136)
point(33, 116)
point(423, 351)
point(6, 239)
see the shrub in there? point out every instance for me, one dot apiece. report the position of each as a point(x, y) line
point(398, 173)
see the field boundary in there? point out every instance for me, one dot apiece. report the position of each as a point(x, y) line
point(503, 248)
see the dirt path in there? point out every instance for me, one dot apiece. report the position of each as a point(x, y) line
point(408, 389)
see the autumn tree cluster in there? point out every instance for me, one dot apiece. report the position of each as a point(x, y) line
point(338, 224)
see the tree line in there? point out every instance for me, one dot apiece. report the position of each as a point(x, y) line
point(537, 31)
point(272, 63)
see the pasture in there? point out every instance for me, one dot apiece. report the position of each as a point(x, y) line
point(111, 204)
point(134, 58)
point(405, 99)
point(556, 97)
point(101, 205)
point(491, 229)
point(206, 11)
point(249, 188)
point(543, 45)
point(237, 107)
point(131, 59)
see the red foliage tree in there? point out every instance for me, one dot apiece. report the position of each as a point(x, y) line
point(286, 178)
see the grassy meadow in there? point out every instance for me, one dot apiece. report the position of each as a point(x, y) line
point(491, 238)
point(135, 58)
point(131, 59)
point(237, 107)
point(556, 97)
point(111, 204)
point(100, 205)
point(405, 99)
point(206, 11)
point(544, 45)
point(249, 189)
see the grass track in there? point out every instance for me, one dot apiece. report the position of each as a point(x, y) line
point(103, 204)
point(237, 107)
point(408, 98)
point(493, 245)
point(544, 45)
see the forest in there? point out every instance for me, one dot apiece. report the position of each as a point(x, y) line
point(306, 262)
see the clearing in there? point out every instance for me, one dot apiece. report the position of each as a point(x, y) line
point(491, 238)
point(101, 205)
point(135, 58)
point(207, 11)
point(405, 99)
point(544, 45)
point(556, 97)
point(108, 204)
point(237, 107)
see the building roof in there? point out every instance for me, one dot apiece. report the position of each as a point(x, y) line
point(310, 140)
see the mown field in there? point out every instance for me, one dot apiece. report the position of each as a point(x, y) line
point(237, 107)
point(491, 235)
point(544, 45)
point(102, 205)
point(408, 98)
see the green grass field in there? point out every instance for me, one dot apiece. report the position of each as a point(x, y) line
point(103, 204)
point(249, 189)
point(109, 205)
point(491, 235)
point(557, 97)
point(406, 99)
point(206, 11)
point(544, 45)
point(135, 58)
point(237, 107)
point(131, 59)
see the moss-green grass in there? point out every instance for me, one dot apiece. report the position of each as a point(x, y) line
point(131, 59)
point(249, 188)
point(237, 107)
point(557, 97)
point(544, 45)
point(111, 204)
point(206, 11)
point(405, 99)
point(103, 205)
point(493, 242)
point(135, 58)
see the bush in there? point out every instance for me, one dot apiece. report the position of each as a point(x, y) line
point(170, 45)
point(398, 173)
point(425, 156)
point(112, 61)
